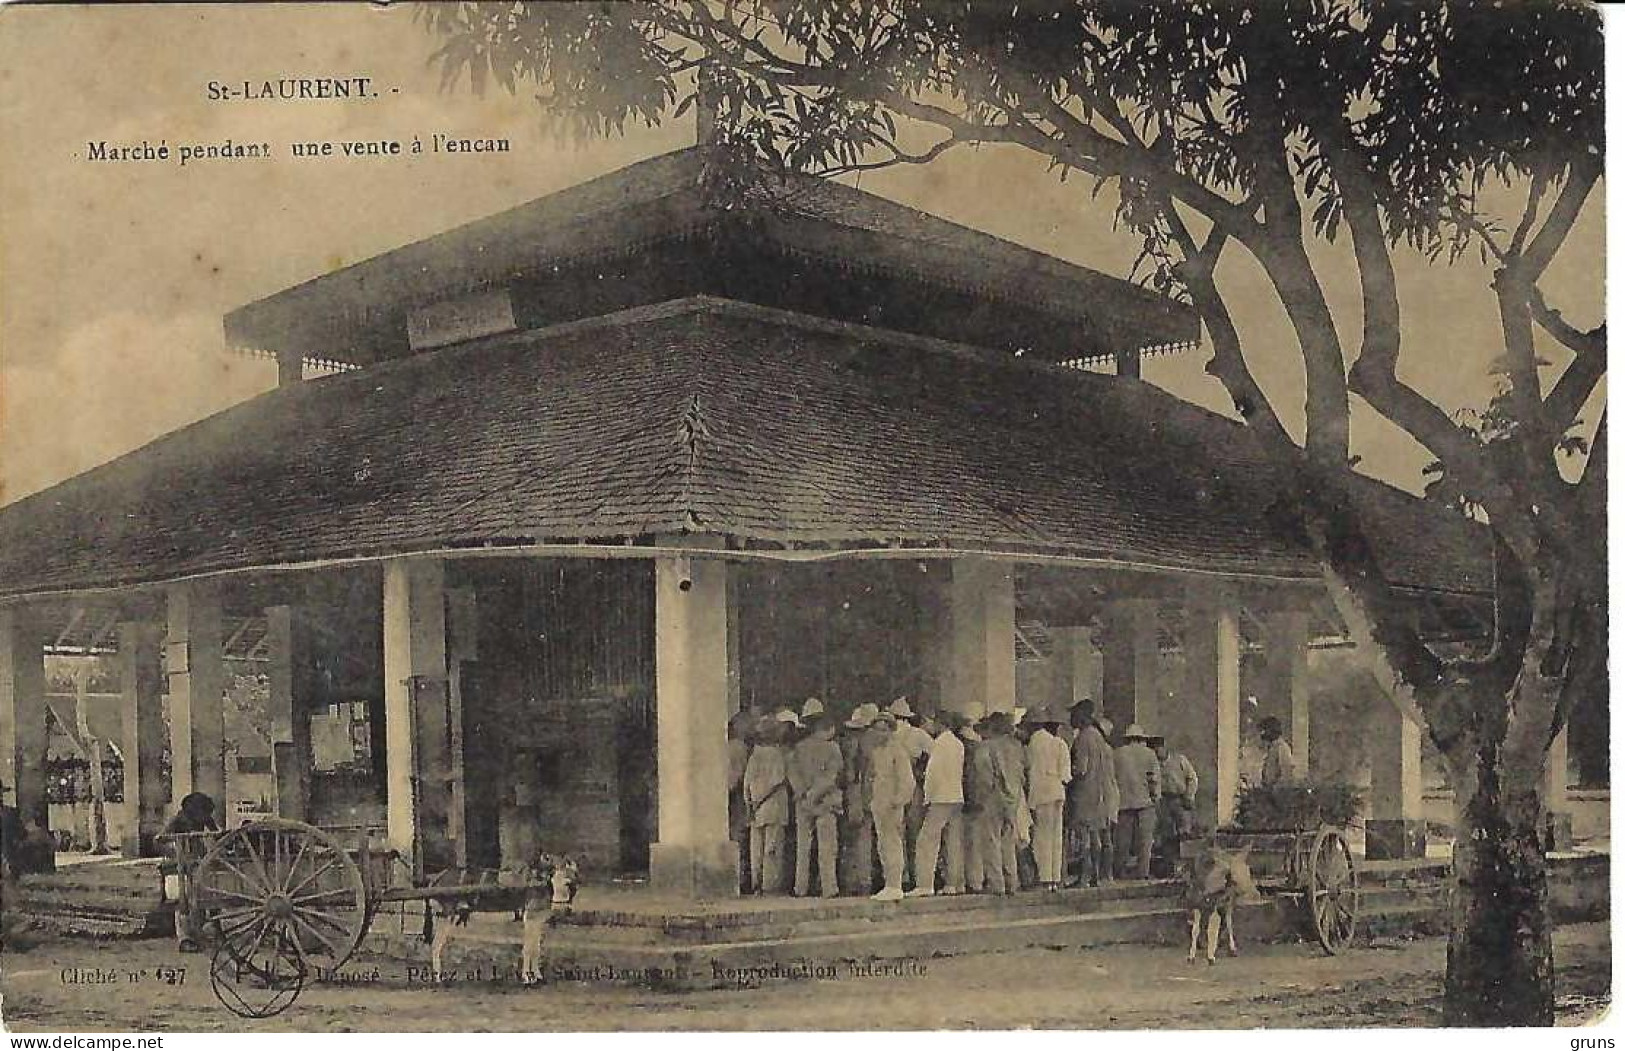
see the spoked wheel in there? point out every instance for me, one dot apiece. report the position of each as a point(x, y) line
point(283, 901)
point(1332, 891)
point(257, 978)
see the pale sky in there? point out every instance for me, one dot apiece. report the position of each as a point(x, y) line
point(114, 276)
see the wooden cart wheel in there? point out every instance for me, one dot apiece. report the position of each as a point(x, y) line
point(284, 901)
point(1332, 890)
point(257, 979)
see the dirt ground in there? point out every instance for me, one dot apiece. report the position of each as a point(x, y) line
point(1389, 983)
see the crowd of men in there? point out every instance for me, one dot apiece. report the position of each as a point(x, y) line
point(893, 803)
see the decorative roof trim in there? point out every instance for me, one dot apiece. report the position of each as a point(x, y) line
point(601, 551)
point(706, 304)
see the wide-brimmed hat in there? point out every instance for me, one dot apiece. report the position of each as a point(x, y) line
point(884, 717)
point(785, 715)
point(952, 720)
point(862, 716)
point(1135, 731)
point(812, 709)
point(998, 720)
point(900, 708)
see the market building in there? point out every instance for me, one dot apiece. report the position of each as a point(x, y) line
point(595, 472)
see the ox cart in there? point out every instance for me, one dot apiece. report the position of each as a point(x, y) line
point(1313, 867)
point(282, 903)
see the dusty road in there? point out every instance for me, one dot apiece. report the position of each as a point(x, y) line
point(1387, 984)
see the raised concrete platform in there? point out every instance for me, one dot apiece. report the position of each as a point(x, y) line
point(620, 934)
point(626, 932)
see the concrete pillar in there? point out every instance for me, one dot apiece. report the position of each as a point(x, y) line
point(1207, 725)
point(1559, 818)
point(291, 689)
point(1129, 664)
point(194, 659)
point(290, 368)
point(1070, 666)
point(462, 642)
point(141, 675)
point(1284, 685)
point(417, 713)
point(1396, 828)
point(22, 713)
point(980, 654)
point(693, 856)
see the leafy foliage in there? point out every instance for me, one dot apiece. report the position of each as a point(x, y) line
point(1494, 425)
point(1297, 806)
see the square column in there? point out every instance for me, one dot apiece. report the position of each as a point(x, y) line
point(1209, 720)
point(1129, 664)
point(1284, 688)
point(417, 713)
point(980, 655)
point(141, 674)
point(462, 644)
point(1073, 663)
point(1559, 819)
point(290, 368)
point(22, 713)
point(194, 659)
point(1396, 828)
point(693, 856)
point(288, 641)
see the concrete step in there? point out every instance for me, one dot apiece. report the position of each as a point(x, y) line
point(910, 939)
point(800, 918)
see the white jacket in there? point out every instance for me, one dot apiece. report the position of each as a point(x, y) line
point(945, 769)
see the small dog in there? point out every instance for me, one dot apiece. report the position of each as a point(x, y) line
point(1216, 880)
point(542, 891)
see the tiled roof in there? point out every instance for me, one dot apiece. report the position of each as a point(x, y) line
point(699, 415)
point(665, 196)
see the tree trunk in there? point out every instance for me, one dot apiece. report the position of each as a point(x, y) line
point(1499, 965)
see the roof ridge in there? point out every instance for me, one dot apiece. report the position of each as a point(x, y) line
point(692, 432)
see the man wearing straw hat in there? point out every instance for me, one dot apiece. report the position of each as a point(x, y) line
point(1092, 796)
point(767, 794)
point(1139, 783)
point(944, 806)
point(1000, 772)
point(1049, 768)
point(915, 740)
point(858, 741)
point(891, 786)
point(815, 781)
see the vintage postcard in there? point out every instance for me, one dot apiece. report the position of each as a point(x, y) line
point(803, 515)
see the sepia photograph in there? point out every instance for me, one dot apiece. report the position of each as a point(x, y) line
point(803, 516)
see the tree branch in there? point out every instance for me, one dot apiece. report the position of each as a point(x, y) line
point(1374, 375)
point(1228, 364)
point(1109, 158)
point(1583, 175)
point(1569, 394)
point(898, 156)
